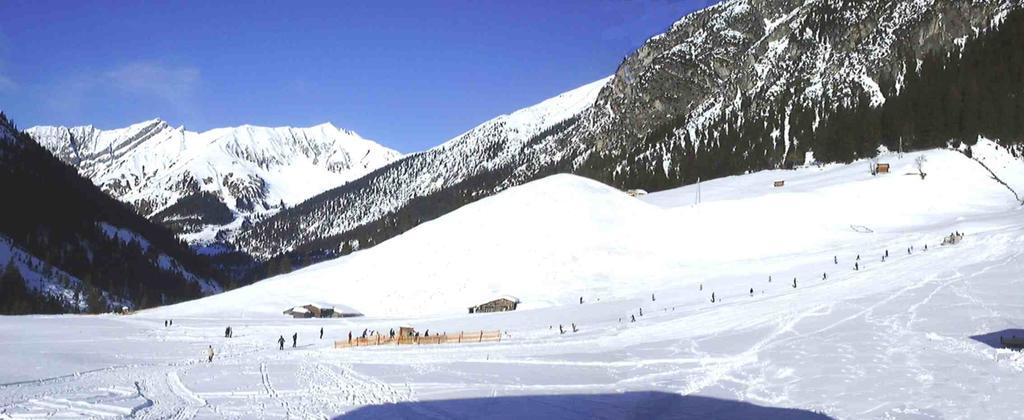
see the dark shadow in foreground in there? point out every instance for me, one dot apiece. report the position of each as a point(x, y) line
point(1000, 339)
point(629, 405)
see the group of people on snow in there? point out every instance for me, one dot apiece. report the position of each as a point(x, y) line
point(824, 276)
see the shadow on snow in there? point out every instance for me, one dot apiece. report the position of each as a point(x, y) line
point(992, 339)
point(629, 405)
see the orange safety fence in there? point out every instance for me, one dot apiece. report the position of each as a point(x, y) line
point(462, 337)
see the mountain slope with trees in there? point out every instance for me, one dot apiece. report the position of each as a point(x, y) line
point(206, 185)
point(741, 86)
point(75, 248)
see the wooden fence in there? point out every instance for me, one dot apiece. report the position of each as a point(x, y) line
point(461, 337)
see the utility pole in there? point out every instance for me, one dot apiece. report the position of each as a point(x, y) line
point(697, 198)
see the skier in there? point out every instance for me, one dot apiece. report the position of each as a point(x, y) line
point(581, 300)
point(887, 253)
point(561, 330)
point(392, 333)
point(295, 339)
point(858, 257)
point(908, 251)
point(641, 311)
point(835, 259)
point(209, 354)
point(751, 291)
point(794, 282)
point(170, 322)
point(165, 323)
point(632, 318)
point(925, 247)
point(427, 333)
point(350, 336)
point(321, 333)
point(652, 297)
point(824, 276)
point(364, 332)
point(712, 297)
point(574, 329)
point(227, 332)
point(856, 266)
point(702, 286)
point(280, 342)
point(769, 279)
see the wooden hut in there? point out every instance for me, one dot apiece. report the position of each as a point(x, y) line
point(779, 184)
point(502, 304)
point(636, 192)
point(881, 168)
point(315, 311)
point(298, 312)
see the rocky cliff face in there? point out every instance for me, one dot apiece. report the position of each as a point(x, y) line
point(748, 59)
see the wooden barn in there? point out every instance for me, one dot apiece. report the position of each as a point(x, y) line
point(298, 312)
point(502, 304)
point(780, 184)
point(636, 192)
point(315, 311)
point(881, 168)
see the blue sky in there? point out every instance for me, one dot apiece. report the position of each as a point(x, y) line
point(407, 74)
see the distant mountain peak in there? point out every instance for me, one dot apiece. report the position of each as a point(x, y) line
point(202, 183)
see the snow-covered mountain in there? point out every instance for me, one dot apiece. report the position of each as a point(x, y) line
point(67, 246)
point(484, 151)
point(200, 183)
point(740, 86)
point(550, 241)
point(912, 335)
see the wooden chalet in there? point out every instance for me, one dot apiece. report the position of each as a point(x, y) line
point(502, 304)
point(316, 311)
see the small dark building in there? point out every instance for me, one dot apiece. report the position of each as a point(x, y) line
point(299, 312)
point(502, 304)
point(316, 311)
point(1012, 343)
point(780, 184)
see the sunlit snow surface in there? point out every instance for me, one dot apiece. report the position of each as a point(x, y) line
point(891, 340)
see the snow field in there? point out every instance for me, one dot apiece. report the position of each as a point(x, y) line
point(553, 240)
point(891, 340)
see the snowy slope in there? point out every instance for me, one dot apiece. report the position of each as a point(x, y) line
point(736, 87)
point(250, 170)
point(915, 336)
point(1002, 163)
point(550, 241)
point(498, 143)
point(40, 277)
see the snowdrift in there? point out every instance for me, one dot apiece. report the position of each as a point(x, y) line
point(556, 239)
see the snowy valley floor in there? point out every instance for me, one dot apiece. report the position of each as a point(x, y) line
point(915, 336)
